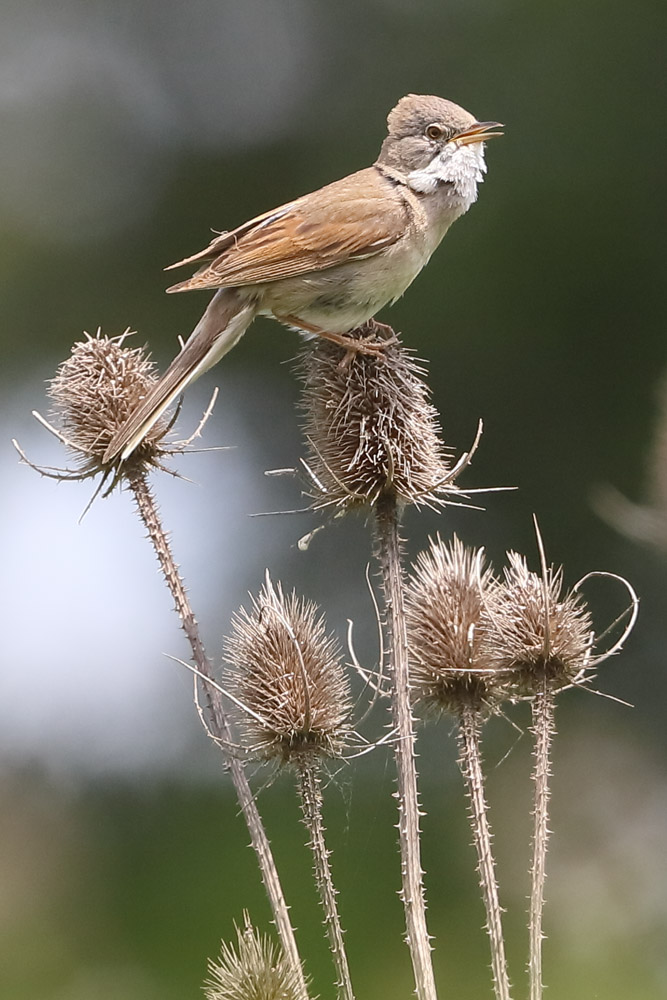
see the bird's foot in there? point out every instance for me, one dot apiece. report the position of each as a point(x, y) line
point(374, 345)
point(371, 339)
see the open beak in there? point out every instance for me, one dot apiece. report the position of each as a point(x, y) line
point(478, 132)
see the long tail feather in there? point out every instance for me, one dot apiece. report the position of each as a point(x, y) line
point(223, 324)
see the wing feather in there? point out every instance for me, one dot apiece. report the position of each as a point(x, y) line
point(356, 217)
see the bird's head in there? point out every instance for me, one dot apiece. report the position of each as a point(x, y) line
point(431, 140)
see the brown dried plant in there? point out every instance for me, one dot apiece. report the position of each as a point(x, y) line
point(93, 392)
point(293, 698)
point(543, 638)
point(371, 428)
point(292, 705)
point(461, 641)
point(445, 605)
point(256, 969)
point(374, 441)
point(445, 608)
point(535, 632)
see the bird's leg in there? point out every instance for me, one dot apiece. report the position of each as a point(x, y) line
point(352, 345)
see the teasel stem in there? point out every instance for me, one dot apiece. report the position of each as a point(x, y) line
point(470, 762)
point(310, 793)
point(414, 902)
point(543, 729)
point(149, 514)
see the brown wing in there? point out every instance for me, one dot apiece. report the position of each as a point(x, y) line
point(355, 217)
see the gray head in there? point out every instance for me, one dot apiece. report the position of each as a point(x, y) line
point(421, 126)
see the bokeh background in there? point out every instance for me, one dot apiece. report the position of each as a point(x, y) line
point(129, 131)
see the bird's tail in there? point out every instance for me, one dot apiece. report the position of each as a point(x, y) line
point(223, 324)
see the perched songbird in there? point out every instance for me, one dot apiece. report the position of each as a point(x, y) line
point(327, 262)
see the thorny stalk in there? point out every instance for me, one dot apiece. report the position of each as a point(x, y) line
point(310, 792)
point(414, 902)
point(543, 729)
point(149, 514)
point(470, 762)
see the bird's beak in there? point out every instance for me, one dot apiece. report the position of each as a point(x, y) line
point(477, 132)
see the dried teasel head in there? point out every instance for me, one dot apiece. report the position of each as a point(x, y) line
point(93, 393)
point(370, 427)
point(285, 672)
point(535, 630)
point(445, 604)
point(255, 970)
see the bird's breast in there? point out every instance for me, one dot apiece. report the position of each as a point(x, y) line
point(341, 298)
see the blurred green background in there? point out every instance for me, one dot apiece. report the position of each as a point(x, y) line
point(129, 131)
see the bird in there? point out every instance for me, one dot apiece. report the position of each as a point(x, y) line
point(327, 262)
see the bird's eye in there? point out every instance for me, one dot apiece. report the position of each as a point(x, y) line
point(435, 131)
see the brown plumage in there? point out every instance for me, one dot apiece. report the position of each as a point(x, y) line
point(353, 218)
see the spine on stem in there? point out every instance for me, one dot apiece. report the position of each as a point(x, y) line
point(310, 792)
point(149, 514)
point(470, 762)
point(414, 900)
point(543, 729)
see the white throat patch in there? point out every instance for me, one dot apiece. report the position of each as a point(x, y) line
point(461, 166)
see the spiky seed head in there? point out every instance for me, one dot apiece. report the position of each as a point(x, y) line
point(535, 630)
point(444, 604)
point(286, 671)
point(256, 969)
point(93, 393)
point(370, 427)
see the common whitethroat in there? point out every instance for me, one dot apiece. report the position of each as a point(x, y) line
point(327, 262)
